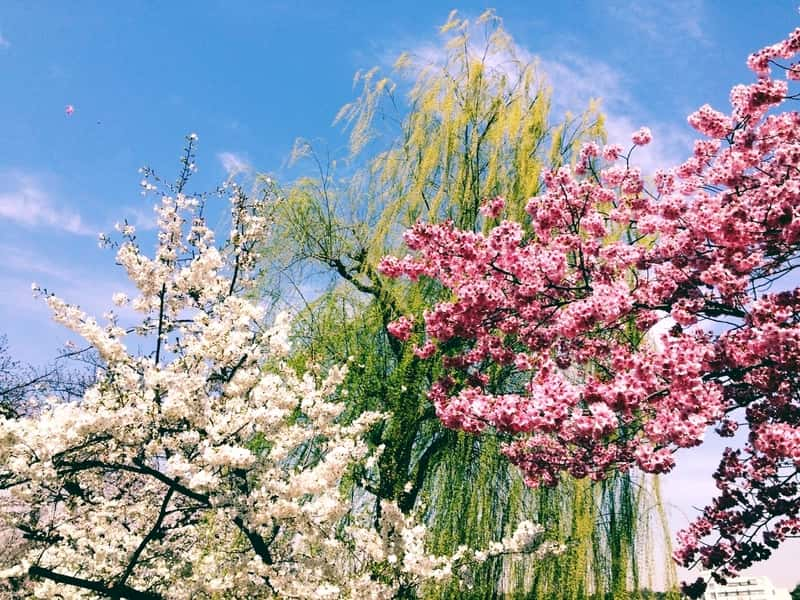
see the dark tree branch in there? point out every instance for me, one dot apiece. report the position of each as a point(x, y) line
point(151, 535)
point(116, 591)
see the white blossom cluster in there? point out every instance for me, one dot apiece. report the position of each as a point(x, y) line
point(207, 468)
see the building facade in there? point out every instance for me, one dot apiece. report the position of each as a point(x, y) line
point(746, 588)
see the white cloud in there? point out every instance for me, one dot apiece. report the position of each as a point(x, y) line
point(426, 54)
point(25, 261)
point(577, 79)
point(141, 219)
point(24, 201)
point(234, 164)
point(90, 288)
point(671, 145)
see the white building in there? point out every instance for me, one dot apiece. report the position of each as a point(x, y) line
point(746, 588)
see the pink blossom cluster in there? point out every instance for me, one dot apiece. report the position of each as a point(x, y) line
point(493, 207)
point(642, 137)
point(401, 328)
point(636, 318)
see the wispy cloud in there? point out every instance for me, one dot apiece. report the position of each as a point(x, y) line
point(23, 200)
point(663, 22)
point(25, 261)
point(91, 289)
point(671, 145)
point(4, 43)
point(577, 79)
point(426, 54)
point(141, 218)
point(234, 164)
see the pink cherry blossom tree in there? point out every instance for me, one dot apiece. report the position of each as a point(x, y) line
point(573, 298)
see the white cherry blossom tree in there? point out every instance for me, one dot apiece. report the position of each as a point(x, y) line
point(207, 468)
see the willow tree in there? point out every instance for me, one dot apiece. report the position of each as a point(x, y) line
point(459, 124)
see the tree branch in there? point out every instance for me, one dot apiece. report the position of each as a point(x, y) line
point(116, 591)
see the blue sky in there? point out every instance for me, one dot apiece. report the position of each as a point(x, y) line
point(250, 77)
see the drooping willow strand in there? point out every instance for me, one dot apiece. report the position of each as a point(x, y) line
point(433, 145)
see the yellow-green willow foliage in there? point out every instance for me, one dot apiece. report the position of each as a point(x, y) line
point(477, 125)
point(462, 122)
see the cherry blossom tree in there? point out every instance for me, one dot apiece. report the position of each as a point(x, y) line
point(207, 467)
point(637, 318)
